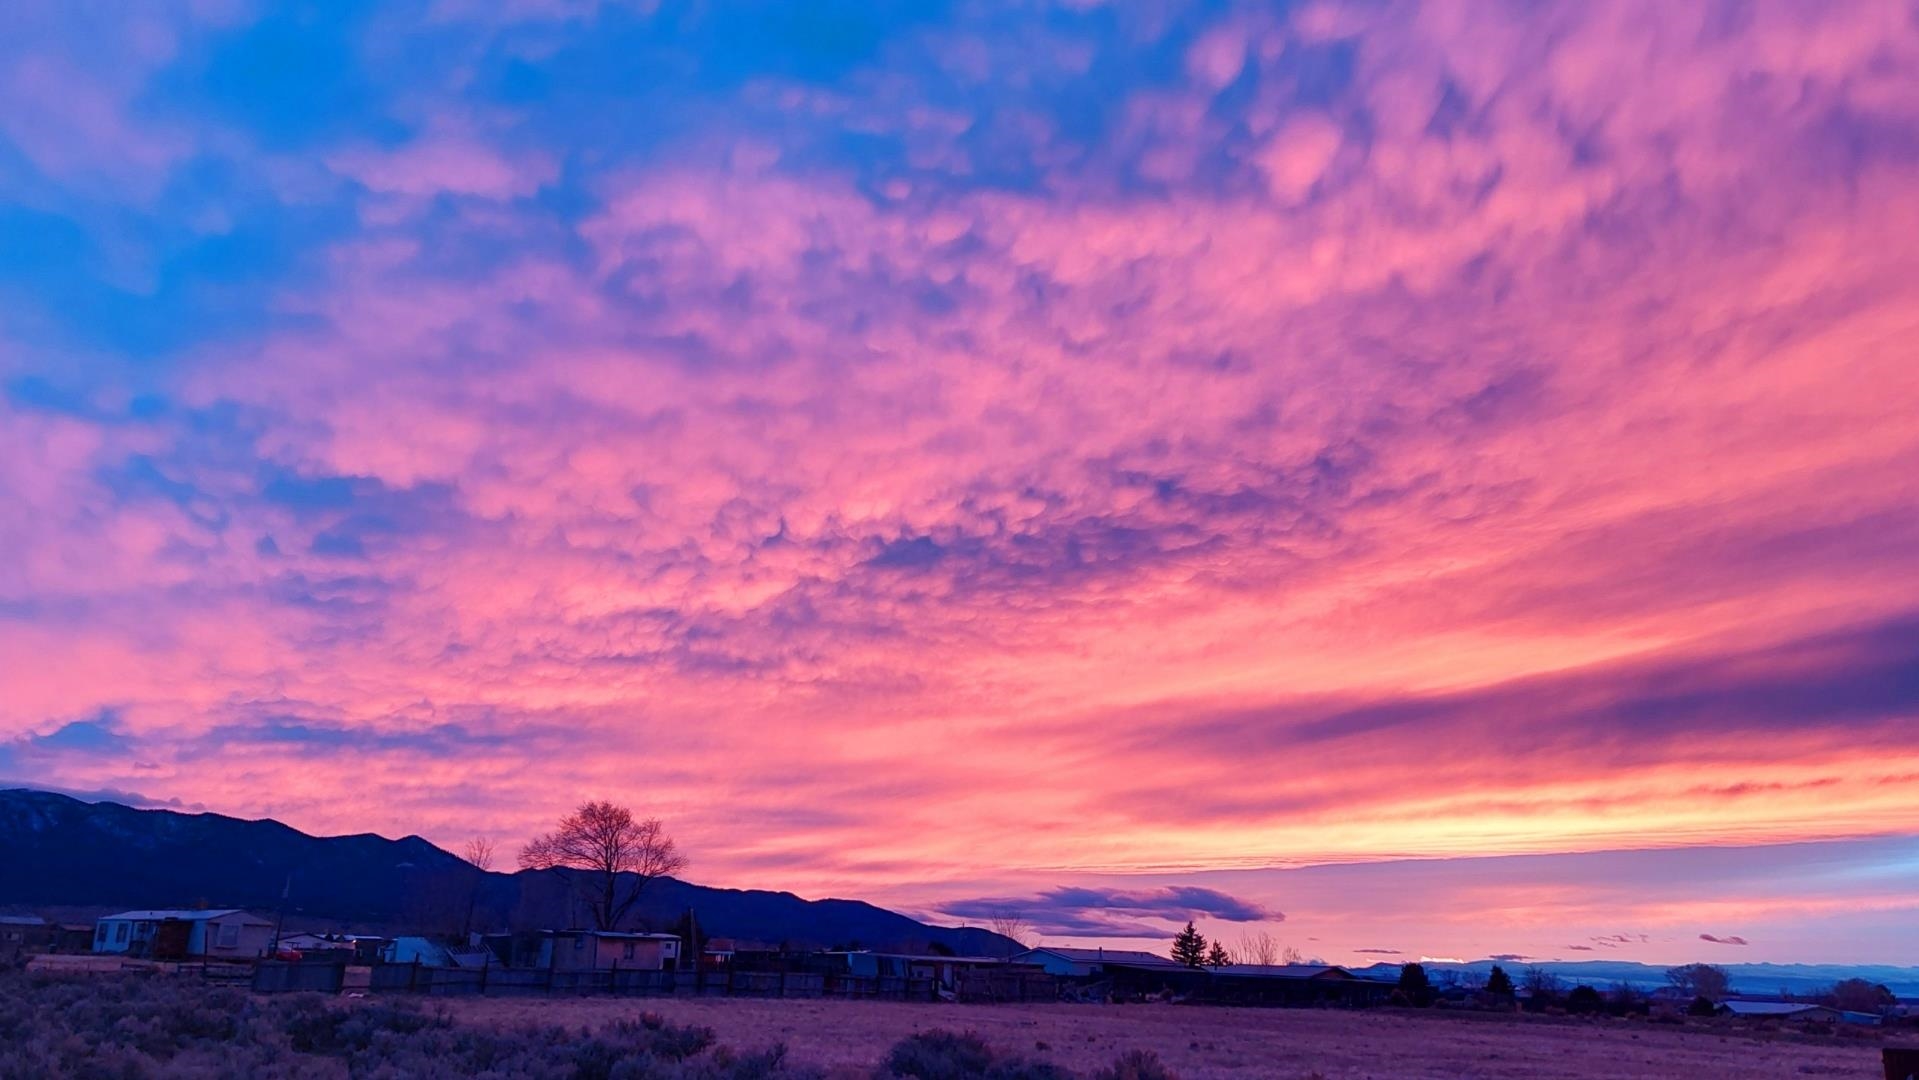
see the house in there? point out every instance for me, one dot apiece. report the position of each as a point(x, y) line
point(723, 952)
point(1244, 984)
point(217, 934)
point(607, 950)
point(1293, 984)
point(1796, 1011)
point(23, 934)
point(344, 944)
point(1072, 963)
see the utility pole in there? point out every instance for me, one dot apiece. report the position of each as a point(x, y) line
point(280, 918)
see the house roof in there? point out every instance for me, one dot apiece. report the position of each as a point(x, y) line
point(1771, 1008)
point(927, 957)
point(22, 920)
point(182, 915)
point(1287, 971)
point(1150, 962)
point(618, 935)
point(1096, 956)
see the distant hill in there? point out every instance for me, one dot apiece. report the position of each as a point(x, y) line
point(62, 854)
point(1799, 979)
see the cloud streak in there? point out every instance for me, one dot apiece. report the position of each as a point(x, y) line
point(1078, 911)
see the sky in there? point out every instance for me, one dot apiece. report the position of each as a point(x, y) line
point(1414, 479)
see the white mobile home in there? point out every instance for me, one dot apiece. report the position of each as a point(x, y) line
point(219, 934)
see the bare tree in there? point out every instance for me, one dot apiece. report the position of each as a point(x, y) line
point(1291, 955)
point(1860, 995)
point(1542, 984)
point(1011, 924)
point(478, 852)
point(611, 858)
point(1700, 980)
point(1258, 947)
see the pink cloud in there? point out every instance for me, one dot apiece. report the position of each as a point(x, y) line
point(452, 165)
point(1371, 481)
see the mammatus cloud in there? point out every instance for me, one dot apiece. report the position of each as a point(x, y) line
point(1067, 440)
point(1728, 940)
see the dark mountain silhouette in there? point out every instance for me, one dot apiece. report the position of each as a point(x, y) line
point(63, 854)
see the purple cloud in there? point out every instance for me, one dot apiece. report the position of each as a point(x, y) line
point(1107, 912)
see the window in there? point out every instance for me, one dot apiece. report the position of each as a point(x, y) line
point(579, 942)
point(627, 953)
point(120, 934)
point(229, 936)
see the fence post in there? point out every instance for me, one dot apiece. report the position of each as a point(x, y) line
point(486, 962)
point(413, 975)
point(613, 984)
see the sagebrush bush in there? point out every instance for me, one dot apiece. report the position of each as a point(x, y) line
point(157, 1027)
point(947, 1055)
point(940, 1055)
point(1137, 1065)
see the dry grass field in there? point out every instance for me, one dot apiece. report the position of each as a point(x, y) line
point(168, 1025)
point(849, 1038)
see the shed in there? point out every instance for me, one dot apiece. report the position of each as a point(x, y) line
point(22, 934)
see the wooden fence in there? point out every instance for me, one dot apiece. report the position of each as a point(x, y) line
point(277, 977)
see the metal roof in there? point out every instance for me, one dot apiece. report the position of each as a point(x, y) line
point(1095, 956)
point(22, 920)
point(180, 914)
point(618, 935)
point(1285, 971)
point(1770, 1008)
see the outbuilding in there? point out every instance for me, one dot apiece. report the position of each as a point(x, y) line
point(1795, 1011)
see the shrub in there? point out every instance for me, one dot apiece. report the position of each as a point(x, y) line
point(133, 1028)
point(947, 1055)
point(1137, 1065)
point(1584, 999)
point(940, 1055)
point(1702, 1006)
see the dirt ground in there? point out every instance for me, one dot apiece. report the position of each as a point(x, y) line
point(850, 1038)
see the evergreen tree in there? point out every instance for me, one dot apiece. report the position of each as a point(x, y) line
point(1216, 956)
point(1499, 984)
point(692, 941)
point(1189, 947)
point(1415, 985)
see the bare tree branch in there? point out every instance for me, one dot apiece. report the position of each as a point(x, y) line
point(1257, 947)
point(1008, 923)
point(612, 857)
point(479, 853)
